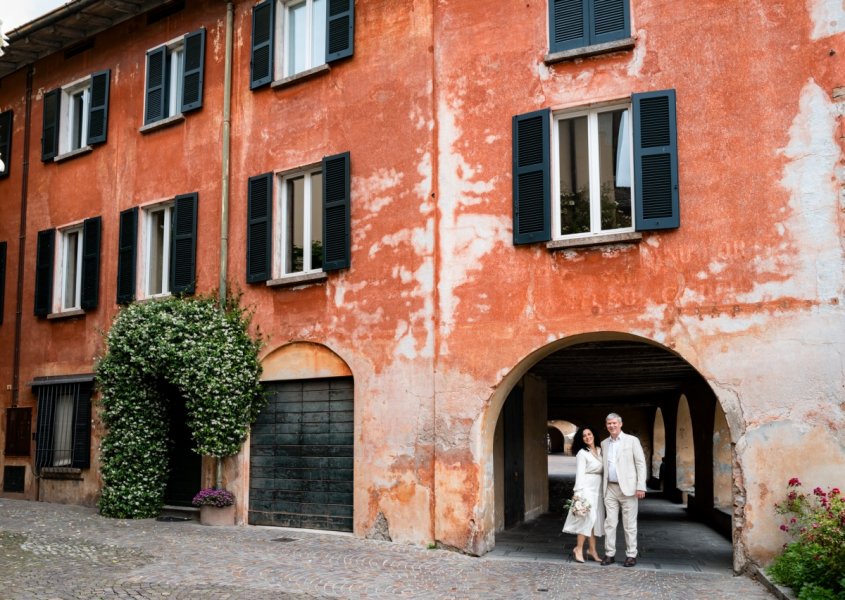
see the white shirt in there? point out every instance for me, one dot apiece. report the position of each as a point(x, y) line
point(612, 447)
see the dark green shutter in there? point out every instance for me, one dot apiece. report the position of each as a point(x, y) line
point(531, 178)
point(340, 29)
point(98, 108)
point(609, 20)
point(336, 207)
point(568, 24)
point(50, 125)
point(90, 263)
point(192, 79)
point(2, 279)
point(259, 246)
point(261, 63)
point(656, 161)
point(156, 92)
point(5, 142)
point(184, 245)
point(44, 272)
point(82, 428)
point(126, 260)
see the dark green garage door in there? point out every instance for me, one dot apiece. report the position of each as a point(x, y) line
point(301, 456)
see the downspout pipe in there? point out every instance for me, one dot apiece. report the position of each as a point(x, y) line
point(224, 188)
point(16, 365)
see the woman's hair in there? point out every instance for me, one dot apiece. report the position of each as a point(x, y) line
point(578, 441)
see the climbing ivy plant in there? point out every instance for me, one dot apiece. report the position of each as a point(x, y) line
point(208, 355)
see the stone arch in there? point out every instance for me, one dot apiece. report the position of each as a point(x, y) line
point(566, 431)
point(684, 448)
point(659, 439)
point(302, 360)
point(695, 386)
point(722, 462)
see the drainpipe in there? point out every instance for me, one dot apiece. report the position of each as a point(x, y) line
point(16, 367)
point(224, 194)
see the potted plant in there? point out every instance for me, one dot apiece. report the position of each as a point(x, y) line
point(217, 506)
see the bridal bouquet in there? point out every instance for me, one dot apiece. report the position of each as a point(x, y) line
point(578, 506)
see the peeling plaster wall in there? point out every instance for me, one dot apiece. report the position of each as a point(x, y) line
point(440, 314)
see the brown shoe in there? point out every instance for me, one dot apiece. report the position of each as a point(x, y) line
point(630, 562)
point(607, 560)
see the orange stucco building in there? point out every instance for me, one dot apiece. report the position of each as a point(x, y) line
point(455, 222)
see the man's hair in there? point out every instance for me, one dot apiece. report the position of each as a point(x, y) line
point(612, 416)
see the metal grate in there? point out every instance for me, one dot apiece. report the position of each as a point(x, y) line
point(63, 425)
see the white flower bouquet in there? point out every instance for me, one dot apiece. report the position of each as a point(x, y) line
point(578, 506)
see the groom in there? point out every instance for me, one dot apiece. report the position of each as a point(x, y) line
point(624, 486)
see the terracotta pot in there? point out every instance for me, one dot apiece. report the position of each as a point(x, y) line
point(213, 515)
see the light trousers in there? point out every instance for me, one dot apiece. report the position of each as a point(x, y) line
point(614, 500)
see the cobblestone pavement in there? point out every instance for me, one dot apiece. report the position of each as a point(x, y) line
point(58, 552)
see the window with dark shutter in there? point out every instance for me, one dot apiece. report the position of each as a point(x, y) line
point(50, 125)
point(340, 29)
point(90, 263)
point(44, 272)
point(580, 23)
point(261, 63)
point(531, 178)
point(259, 228)
point(192, 80)
point(156, 92)
point(656, 161)
point(184, 245)
point(18, 431)
point(98, 113)
point(2, 279)
point(126, 259)
point(336, 207)
point(5, 142)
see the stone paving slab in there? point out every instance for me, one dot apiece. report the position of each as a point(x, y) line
point(52, 552)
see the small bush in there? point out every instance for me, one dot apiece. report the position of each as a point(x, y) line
point(813, 564)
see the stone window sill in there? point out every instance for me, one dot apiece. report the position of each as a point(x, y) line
point(73, 154)
point(299, 77)
point(596, 240)
point(163, 123)
point(300, 279)
point(61, 473)
point(594, 50)
point(66, 314)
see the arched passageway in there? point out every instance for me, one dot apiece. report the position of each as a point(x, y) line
point(663, 400)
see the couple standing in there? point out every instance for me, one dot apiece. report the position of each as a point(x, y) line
point(610, 478)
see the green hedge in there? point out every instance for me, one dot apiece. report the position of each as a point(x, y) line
point(204, 351)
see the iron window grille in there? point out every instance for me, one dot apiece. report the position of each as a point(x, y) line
point(63, 429)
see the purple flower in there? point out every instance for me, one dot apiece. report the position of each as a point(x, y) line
point(213, 497)
point(784, 528)
point(794, 482)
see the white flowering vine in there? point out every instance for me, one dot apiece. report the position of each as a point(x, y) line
point(192, 344)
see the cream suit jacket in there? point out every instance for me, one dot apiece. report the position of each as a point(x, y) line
point(630, 464)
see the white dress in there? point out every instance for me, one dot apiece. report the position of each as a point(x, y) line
point(588, 478)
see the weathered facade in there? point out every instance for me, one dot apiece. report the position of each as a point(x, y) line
point(529, 217)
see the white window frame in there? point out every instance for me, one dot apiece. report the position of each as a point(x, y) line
point(175, 68)
point(591, 113)
point(63, 258)
point(280, 230)
point(146, 239)
point(67, 120)
point(282, 34)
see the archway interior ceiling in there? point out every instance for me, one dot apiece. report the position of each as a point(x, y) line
point(611, 373)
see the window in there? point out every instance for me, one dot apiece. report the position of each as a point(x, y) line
point(599, 171)
point(174, 83)
point(581, 23)
point(63, 423)
point(75, 116)
point(290, 37)
point(167, 262)
point(591, 154)
point(76, 279)
point(5, 142)
point(298, 222)
point(69, 274)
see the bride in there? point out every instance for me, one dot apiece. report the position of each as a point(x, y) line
point(588, 478)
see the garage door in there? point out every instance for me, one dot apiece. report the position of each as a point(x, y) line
point(301, 456)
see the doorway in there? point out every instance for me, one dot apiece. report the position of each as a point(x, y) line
point(185, 465)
